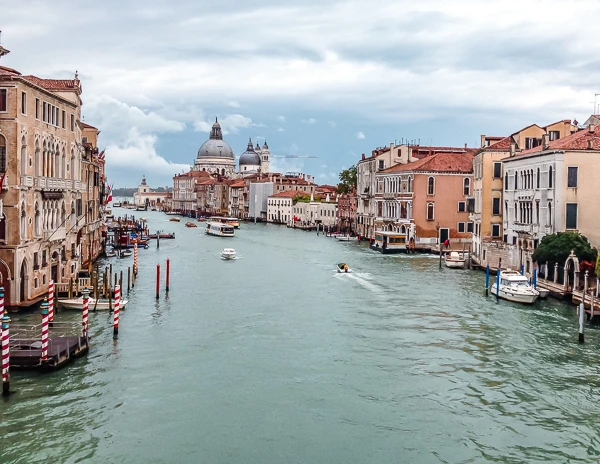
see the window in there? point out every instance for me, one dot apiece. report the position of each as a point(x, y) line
point(471, 205)
point(430, 186)
point(3, 227)
point(461, 227)
point(497, 170)
point(430, 211)
point(554, 135)
point(538, 178)
point(462, 206)
point(3, 102)
point(72, 123)
point(531, 142)
point(495, 206)
point(36, 264)
point(514, 240)
point(549, 213)
point(37, 108)
point(572, 177)
point(506, 181)
point(495, 230)
point(381, 164)
point(470, 227)
point(571, 220)
point(550, 177)
point(537, 212)
point(23, 103)
point(64, 120)
point(467, 186)
point(2, 154)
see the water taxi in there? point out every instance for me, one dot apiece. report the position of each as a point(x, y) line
point(219, 229)
point(102, 305)
point(228, 253)
point(515, 287)
point(455, 259)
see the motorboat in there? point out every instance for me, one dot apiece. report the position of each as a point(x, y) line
point(116, 204)
point(162, 235)
point(345, 238)
point(343, 268)
point(110, 253)
point(175, 219)
point(102, 305)
point(455, 259)
point(125, 253)
point(228, 253)
point(171, 213)
point(190, 224)
point(201, 219)
point(219, 229)
point(515, 287)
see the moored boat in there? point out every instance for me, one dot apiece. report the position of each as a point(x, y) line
point(175, 219)
point(455, 259)
point(515, 287)
point(228, 253)
point(190, 224)
point(162, 235)
point(125, 253)
point(219, 229)
point(110, 253)
point(102, 305)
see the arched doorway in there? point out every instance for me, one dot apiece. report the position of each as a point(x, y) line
point(23, 278)
point(5, 282)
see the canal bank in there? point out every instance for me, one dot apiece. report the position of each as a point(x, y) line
point(274, 357)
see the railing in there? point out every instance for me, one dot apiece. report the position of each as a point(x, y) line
point(27, 181)
point(58, 234)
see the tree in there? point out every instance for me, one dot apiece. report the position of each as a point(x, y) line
point(557, 248)
point(347, 180)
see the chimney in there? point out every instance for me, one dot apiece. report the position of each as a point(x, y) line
point(482, 140)
point(363, 156)
point(590, 144)
point(592, 128)
point(545, 141)
point(465, 145)
point(513, 149)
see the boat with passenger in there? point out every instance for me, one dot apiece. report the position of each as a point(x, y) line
point(455, 259)
point(228, 253)
point(219, 229)
point(515, 287)
point(226, 220)
point(343, 268)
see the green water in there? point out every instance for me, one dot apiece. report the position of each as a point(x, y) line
point(275, 358)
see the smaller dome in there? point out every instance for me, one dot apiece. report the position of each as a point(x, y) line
point(250, 157)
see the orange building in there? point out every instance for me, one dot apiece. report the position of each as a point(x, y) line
point(431, 194)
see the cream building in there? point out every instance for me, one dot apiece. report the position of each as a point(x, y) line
point(43, 194)
point(147, 198)
point(315, 212)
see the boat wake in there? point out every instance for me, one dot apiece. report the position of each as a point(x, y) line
point(363, 279)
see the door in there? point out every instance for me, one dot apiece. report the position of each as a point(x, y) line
point(54, 273)
point(444, 234)
point(23, 282)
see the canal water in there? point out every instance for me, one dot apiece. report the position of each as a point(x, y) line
point(276, 358)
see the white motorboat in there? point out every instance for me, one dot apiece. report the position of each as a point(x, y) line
point(455, 259)
point(228, 253)
point(219, 229)
point(515, 287)
point(77, 303)
point(346, 238)
point(125, 253)
point(343, 268)
point(111, 253)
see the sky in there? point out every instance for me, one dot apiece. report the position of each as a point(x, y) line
point(331, 79)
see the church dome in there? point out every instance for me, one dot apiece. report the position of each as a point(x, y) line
point(250, 157)
point(215, 146)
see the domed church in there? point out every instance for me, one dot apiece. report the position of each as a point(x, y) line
point(254, 160)
point(215, 155)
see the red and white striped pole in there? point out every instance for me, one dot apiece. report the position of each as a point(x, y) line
point(1, 302)
point(45, 331)
point(135, 258)
point(86, 304)
point(116, 310)
point(51, 301)
point(5, 356)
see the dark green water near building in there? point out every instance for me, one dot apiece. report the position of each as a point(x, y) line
point(275, 358)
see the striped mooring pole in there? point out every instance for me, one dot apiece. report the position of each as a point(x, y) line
point(84, 315)
point(135, 259)
point(5, 356)
point(51, 301)
point(116, 310)
point(45, 330)
point(157, 281)
point(168, 275)
point(1, 302)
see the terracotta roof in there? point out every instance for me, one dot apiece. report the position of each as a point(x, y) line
point(580, 140)
point(568, 121)
point(288, 194)
point(87, 126)
point(193, 174)
point(502, 145)
point(55, 84)
point(237, 183)
point(4, 71)
point(440, 162)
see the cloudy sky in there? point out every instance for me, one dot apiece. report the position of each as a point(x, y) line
point(320, 78)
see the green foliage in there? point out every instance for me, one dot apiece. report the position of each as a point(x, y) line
point(598, 266)
point(347, 180)
point(557, 248)
point(301, 199)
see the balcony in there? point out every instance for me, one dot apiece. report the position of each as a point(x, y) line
point(26, 181)
point(57, 235)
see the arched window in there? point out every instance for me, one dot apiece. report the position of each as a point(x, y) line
point(467, 186)
point(537, 182)
point(38, 160)
point(63, 215)
point(3, 227)
point(516, 211)
point(37, 221)
point(431, 185)
point(430, 211)
point(23, 222)
point(550, 177)
point(516, 180)
point(2, 154)
point(505, 181)
point(23, 156)
point(410, 184)
point(537, 212)
point(63, 164)
point(549, 213)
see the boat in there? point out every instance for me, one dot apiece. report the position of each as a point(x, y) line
point(162, 235)
point(219, 229)
point(228, 253)
point(102, 305)
point(543, 292)
point(140, 208)
point(190, 224)
point(235, 222)
point(110, 253)
point(345, 238)
point(174, 219)
point(116, 204)
point(125, 253)
point(201, 219)
point(343, 268)
point(515, 287)
point(455, 259)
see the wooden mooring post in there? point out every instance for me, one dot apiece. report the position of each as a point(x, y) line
point(70, 288)
point(157, 281)
point(168, 270)
point(128, 279)
point(487, 280)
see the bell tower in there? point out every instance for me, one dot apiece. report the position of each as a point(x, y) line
point(264, 158)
